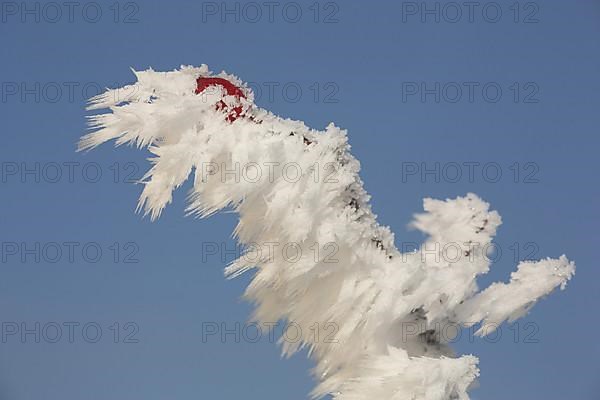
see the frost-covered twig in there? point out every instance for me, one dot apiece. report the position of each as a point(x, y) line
point(370, 289)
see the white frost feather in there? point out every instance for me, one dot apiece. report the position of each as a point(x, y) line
point(371, 289)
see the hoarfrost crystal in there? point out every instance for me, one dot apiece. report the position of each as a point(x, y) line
point(194, 122)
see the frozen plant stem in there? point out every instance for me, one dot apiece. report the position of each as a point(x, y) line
point(195, 122)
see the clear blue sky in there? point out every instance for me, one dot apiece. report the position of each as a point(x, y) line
point(373, 69)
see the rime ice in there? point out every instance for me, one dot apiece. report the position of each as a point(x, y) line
point(371, 289)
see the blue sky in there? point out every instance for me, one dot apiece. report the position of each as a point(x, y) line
point(496, 87)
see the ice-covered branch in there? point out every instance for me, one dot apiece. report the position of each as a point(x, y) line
point(292, 185)
point(510, 301)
